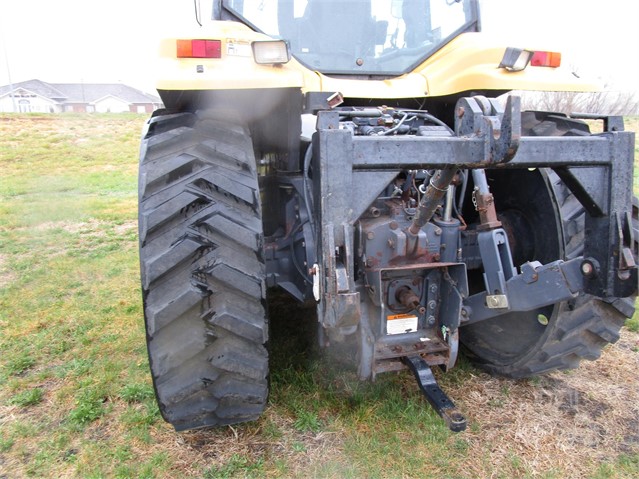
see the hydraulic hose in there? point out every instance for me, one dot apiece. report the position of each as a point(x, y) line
point(437, 188)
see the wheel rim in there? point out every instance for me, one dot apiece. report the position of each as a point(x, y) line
point(527, 205)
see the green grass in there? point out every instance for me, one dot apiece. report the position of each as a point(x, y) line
point(237, 466)
point(27, 398)
point(76, 398)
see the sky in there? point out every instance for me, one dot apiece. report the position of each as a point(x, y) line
point(73, 41)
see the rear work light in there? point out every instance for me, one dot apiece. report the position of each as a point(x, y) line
point(516, 59)
point(199, 49)
point(272, 52)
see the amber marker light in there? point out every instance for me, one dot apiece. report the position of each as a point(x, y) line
point(199, 49)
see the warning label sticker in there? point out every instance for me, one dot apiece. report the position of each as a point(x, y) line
point(401, 323)
point(238, 48)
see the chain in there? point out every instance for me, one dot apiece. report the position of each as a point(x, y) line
point(474, 198)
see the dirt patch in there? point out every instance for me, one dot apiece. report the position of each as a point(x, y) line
point(71, 227)
point(7, 276)
point(566, 421)
point(252, 445)
point(92, 226)
point(125, 228)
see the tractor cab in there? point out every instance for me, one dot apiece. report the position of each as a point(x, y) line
point(363, 37)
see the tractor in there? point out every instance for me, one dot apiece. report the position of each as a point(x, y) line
point(365, 156)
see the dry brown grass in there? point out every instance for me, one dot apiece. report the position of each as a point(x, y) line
point(567, 421)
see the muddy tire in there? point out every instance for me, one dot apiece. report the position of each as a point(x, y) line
point(202, 270)
point(525, 344)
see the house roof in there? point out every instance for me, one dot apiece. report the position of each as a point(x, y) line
point(38, 87)
point(82, 92)
point(91, 92)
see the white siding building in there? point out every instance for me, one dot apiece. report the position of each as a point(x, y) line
point(36, 96)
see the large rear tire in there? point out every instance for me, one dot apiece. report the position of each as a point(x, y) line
point(202, 270)
point(549, 224)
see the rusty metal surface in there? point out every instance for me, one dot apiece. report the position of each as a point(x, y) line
point(485, 205)
point(430, 345)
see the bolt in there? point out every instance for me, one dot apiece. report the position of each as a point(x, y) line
point(431, 304)
point(391, 243)
point(431, 320)
point(359, 62)
point(370, 235)
point(393, 225)
point(587, 268)
point(464, 312)
point(493, 301)
point(433, 288)
point(438, 231)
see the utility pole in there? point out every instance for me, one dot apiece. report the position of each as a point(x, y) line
point(6, 58)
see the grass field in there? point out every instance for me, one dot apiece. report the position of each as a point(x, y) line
point(75, 391)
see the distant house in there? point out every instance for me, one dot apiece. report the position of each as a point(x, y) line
point(38, 96)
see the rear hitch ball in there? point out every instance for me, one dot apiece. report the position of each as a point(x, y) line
point(437, 398)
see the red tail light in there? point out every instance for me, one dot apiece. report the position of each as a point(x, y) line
point(199, 49)
point(546, 59)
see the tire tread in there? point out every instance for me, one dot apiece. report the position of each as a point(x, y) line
point(202, 270)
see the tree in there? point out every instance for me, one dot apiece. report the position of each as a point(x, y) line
point(609, 102)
